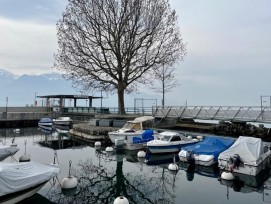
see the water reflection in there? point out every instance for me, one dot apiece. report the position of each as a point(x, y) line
point(104, 176)
point(246, 183)
point(98, 184)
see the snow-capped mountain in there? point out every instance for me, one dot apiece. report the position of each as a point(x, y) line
point(21, 90)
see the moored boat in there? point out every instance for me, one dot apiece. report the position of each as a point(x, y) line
point(131, 129)
point(22, 180)
point(205, 152)
point(6, 151)
point(248, 155)
point(169, 142)
point(67, 121)
point(44, 122)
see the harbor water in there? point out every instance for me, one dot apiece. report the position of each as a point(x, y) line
point(103, 176)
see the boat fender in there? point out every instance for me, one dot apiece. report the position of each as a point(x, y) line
point(236, 161)
point(189, 137)
point(141, 154)
point(121, 200)
point(199, 137)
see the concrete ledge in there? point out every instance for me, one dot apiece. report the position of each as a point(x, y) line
point(105, 123)
point(119, 123)
point(94, 122)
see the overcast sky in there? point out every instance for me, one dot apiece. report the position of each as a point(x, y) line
point(228, 58)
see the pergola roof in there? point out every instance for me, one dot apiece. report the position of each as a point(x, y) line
point(70, 96)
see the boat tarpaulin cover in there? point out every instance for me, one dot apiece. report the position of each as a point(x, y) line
point(15, 177)
point(210, 146)
point(6, 151)
point(248, 148)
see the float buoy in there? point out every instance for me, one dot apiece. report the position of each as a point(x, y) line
point(173, 167)
point(69, 184)
point(97, 144)
point(121, 200)
point(109, 149)
point(25, 157)
point(227, 176)
point(141, 154)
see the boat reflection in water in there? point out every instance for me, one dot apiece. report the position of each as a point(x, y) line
point(247, 183)
point(164, 160)
point(56, 140)
point(97, 184)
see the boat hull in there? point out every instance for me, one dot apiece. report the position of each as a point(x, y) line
point(248, 169)
point(161, 149)
point(127, 137)
point(200, 162)
point(19, 196)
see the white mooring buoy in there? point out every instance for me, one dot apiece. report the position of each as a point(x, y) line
point(25, 157)
point(227, 176)
point(121, 200)
point(173, 166)
point(109, 149)
point(69, 184)
point(98, 143)
point(141, 154)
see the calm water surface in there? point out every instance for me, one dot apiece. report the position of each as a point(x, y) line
point(103, 177)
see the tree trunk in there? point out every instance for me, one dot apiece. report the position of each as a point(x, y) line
point(121, 109)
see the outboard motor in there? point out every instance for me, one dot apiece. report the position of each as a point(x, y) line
point(190, 157)
point(236, 161)
point(230, 164)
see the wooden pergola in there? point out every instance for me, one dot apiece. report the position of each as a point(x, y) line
point(62, 98)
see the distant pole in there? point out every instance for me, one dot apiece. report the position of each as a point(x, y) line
point(35, 100)
point(7, 107)
point(101, 98)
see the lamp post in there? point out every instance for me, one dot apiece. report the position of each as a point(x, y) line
point(35, 100)
point(7, 107)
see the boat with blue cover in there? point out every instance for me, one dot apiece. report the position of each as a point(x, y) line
point(45, 122)
point(205, 152)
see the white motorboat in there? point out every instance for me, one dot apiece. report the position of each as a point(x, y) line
point(63, 121)
point(22, 180)
point(131, 129)
point(169, 142)
point(44, 122)
point(247, 155)
point(6, 151)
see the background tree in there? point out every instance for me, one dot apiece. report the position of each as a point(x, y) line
point(112, 45)
point(164, 81)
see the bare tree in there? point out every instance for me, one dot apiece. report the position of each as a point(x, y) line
point(112, 45)
point(164, 81)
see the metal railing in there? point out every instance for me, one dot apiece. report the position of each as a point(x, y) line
point(230, 113)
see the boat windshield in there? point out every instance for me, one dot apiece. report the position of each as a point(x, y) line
point(166, 138)
point(130, 125)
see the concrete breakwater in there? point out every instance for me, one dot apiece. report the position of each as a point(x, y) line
point(97, 129)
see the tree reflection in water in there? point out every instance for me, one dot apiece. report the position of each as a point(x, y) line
point(99, 184)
